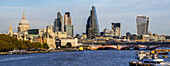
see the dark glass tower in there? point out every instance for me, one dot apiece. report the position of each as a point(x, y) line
point(58, 23)
point(92, 27)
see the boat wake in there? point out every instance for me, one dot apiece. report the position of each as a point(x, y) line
point(15, 58)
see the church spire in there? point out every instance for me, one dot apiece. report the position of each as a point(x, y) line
point(10, 30)
point(23, 15)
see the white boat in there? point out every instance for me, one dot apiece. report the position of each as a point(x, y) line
point(153, 61)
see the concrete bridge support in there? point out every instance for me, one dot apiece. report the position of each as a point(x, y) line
point(148, 47)
point(118, 47)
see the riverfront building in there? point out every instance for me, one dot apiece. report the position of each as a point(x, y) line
point(92, 27)
point(142, 25)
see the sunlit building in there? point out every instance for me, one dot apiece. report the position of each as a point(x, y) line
point(142, 24)
point(68, 27)
point(116, 27)
point(50, 28)
point(23, 24)
point(107, 32)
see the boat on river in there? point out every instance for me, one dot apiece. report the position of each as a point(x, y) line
point(18, 52)
point(153, 61)
point(149, 62)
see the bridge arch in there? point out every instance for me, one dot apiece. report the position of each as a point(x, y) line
point(68, 45)
point(154, 47)
point(104, 47)
point(135, 47)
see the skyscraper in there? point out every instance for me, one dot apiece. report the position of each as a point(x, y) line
point(142, 24)
point(58, 23)
point(68, 27)
point(67, 19)
point(92, 27)
point(23, 25)
point(116, 27)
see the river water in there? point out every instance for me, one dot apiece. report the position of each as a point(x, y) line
point(77, 58)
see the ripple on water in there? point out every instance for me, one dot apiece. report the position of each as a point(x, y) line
point(83, 58)
point(16, 58)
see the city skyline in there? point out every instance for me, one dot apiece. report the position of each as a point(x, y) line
point(107, 13)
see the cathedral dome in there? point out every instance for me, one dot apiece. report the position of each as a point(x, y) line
point(23, 22)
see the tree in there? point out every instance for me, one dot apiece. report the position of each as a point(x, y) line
point(45, 45)
point(8, 43)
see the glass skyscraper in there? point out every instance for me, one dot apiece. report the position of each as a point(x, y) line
point(92, 27)
point(142, 24)
point(58, 23)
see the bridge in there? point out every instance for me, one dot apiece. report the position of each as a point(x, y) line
point(127, 45)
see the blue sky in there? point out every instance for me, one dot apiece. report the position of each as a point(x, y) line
point(41, 13)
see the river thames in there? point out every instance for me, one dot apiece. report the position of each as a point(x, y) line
point(77, 58)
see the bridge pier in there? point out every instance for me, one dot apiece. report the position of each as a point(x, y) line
point(148, 47)
point(118, 47)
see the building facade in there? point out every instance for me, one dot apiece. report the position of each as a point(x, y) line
point(50, 28)
point(92, 27)
point(107, 32)
point(68, 27)
point(142, 24)
point(116, 27)
point(69, 30)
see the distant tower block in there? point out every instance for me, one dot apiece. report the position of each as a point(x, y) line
point(58, 23)
point(142, 24)
point(68, 27)
point(67, 19)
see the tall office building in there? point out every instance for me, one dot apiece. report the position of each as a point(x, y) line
point(58, 23)
point(68, 27)
point(23, 25)
point(67, 19)
point(92, 27)
point(116, 27)
point(142, 24)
